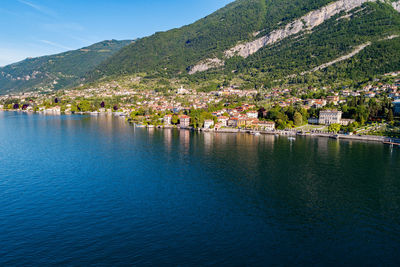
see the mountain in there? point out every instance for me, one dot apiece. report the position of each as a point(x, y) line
point(56, 71)
point(248, 43)
point(263, 42)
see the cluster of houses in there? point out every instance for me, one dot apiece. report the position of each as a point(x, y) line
point(240, 117)
point(183, 100)
point(284, 98)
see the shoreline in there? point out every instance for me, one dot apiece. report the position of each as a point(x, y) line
point(366, 138)
point(293, 134)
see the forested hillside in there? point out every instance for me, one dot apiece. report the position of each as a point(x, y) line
point(176, 50)
point(56, 71)
point(291, 59)
point(249, 43)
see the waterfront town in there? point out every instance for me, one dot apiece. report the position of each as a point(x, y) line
point(370, 110)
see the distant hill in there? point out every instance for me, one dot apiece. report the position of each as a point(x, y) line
point(266, 41)
point(56, 71)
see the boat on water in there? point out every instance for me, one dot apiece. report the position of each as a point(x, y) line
point(255, 133)
point(291, 138)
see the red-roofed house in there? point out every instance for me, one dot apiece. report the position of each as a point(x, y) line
point(184, 121)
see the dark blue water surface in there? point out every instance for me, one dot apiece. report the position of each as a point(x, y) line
point(96, 191)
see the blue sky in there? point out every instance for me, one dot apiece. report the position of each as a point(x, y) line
point(31, 28)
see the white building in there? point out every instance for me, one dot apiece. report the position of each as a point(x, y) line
point(266, 125)
point(208, 124)
point(328, 117)
point(346, 122)
point(223, 120)
point(167, 119)
point(53, 111)
point(252, 114)
point(182, 91)
point(333, 99)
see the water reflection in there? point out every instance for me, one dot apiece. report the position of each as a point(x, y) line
point(191, 193)
point(168, 139)
point(208, 139)
point(184, 141)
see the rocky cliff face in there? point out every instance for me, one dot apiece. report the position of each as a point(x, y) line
point(307, 22)
point(207, 64)
point(396, 5)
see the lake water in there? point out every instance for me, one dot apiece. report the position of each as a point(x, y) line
point(78, 190)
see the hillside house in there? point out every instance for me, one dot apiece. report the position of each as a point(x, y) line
point(233, 122)
point(223, 121)
point(184, 121)
point(168, 119)
point(252, 114)
point(333, 99)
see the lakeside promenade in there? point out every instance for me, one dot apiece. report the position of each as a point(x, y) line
point(294, 133)
point(368, 138)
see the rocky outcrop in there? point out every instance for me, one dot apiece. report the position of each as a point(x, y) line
point(357, 50)
point(307, 22)
point(396, 5)
point(206, 64)
point(391, 37)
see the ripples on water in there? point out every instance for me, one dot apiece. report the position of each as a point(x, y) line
point(94, 190)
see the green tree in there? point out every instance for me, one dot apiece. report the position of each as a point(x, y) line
point(175, 119)
point(390, 116)
point(280, 124)
point(74, 108)
point(132, 116)
point(298, 119)
point(85, 106)
point(334, 128)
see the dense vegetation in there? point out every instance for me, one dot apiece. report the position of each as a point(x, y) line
point(357, 108)
point(57, 71)
point(170, 54)
point(163, 59)
point(337, 37)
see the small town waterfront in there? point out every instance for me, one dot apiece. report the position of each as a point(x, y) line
point(80, 190)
